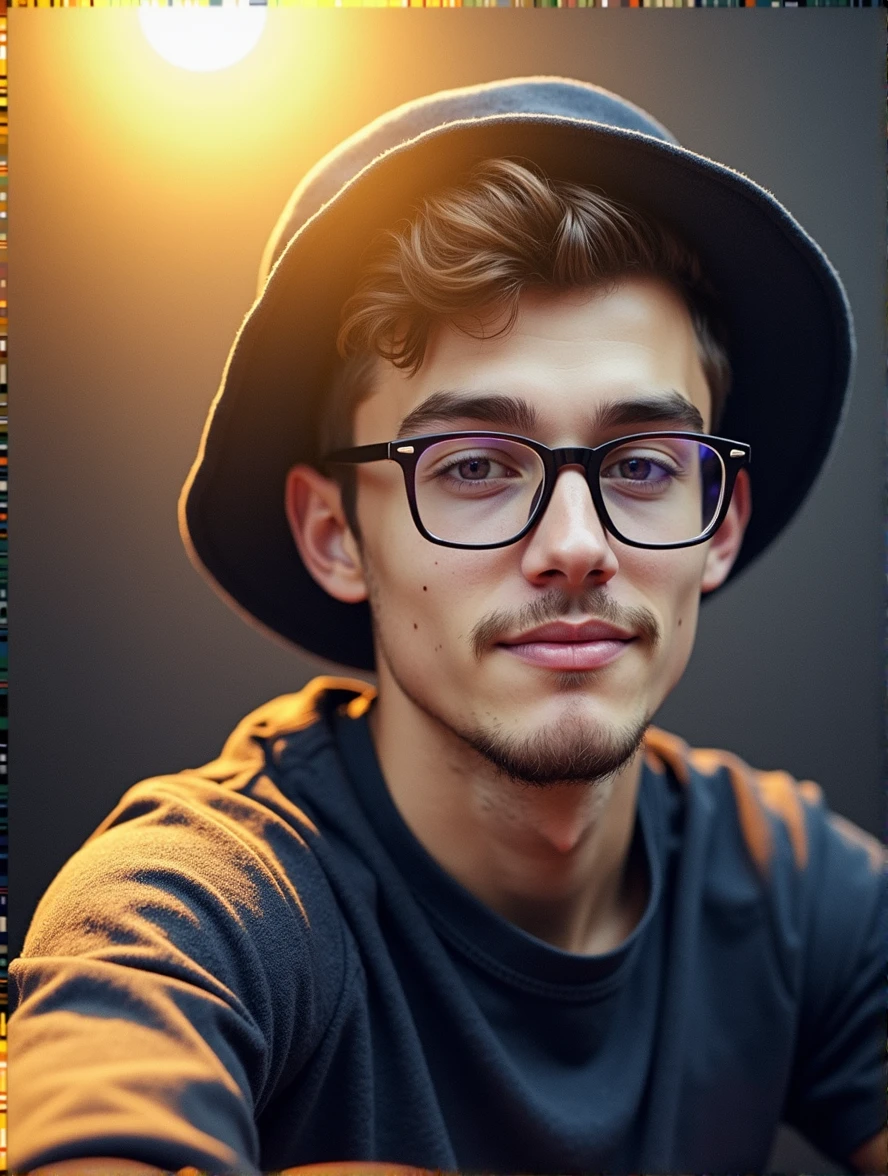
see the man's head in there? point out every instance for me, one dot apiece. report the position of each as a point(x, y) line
point(569, 319)
point(783, 305)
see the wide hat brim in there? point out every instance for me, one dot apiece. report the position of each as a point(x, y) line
point(787, 316)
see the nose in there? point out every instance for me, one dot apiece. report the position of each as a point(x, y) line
point(569, 542)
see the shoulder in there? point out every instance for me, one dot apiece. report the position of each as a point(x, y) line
point(214, 867)
point(241, 801)
point(768, 842)
point(782, 821)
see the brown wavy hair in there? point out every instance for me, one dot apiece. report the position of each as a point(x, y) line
point(469, 252)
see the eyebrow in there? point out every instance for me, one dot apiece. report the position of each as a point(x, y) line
point(514, 414)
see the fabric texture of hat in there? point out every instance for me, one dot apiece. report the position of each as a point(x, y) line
point(789, 327)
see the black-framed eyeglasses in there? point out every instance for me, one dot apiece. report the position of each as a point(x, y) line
point(477, 489)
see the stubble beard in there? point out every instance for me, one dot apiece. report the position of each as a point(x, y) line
point(574, 750)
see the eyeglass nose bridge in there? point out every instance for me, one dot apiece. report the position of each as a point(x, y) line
point(585, 458)
point(572, 455)
point(588, 461)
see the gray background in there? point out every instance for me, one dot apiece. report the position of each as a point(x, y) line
point(140, 205)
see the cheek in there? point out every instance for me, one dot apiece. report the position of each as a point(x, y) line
point(680, 611)
point(671, 579)
point(426, 601)
point(670, 585)
point(391, 543)
point(417, 588)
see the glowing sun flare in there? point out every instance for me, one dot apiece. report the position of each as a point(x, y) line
point(203, 38)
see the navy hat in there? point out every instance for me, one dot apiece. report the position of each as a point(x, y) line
point(788, 322)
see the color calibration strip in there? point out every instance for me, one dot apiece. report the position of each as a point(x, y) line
point(458, 3)
point(4, 575)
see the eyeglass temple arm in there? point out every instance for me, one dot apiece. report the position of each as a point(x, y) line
point(359, 454)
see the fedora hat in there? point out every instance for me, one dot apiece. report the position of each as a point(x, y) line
point(790, 334)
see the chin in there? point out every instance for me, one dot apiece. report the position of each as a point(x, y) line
point(581, 744)
point(572, 750)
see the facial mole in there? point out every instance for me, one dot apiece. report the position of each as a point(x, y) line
point(679, 622)
point(415, 626)
point(425, 588)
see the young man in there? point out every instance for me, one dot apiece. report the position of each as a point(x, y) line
point(484, 917)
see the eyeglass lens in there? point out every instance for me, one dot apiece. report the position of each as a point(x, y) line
point(482, 490)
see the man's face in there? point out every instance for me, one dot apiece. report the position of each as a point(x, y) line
point(442, 615)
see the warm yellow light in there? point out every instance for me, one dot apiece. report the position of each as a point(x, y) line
point(203, 38)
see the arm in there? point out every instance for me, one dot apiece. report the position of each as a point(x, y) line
point(837, 1095)
point(168, 980)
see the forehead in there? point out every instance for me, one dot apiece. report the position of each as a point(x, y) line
point(568, 356)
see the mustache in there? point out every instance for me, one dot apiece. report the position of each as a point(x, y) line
point(558, 605)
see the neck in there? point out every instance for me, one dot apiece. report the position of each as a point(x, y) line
point(557, 860)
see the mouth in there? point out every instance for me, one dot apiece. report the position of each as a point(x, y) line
point(568, 655)
point(561, 646)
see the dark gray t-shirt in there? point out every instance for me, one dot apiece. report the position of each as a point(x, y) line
point(256, 965)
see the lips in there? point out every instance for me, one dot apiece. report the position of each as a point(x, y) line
point(563, 631)
point(563, 646)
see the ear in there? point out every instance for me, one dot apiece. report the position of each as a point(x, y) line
point(724, 546)
point(322, 534)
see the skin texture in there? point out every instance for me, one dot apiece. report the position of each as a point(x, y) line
point(545, 843)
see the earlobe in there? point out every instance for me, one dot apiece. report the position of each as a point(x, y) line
point(322, 535)
point(724, 547)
